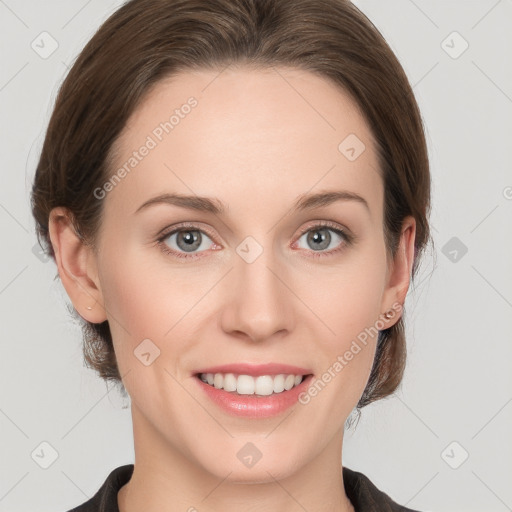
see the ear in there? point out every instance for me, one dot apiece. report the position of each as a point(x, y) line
point(399, 271)
point(76, 263)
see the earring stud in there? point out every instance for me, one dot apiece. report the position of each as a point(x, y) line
point(389, 313)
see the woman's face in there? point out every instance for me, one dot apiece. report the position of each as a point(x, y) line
point(260, 282)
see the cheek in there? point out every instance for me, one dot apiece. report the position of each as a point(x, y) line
point(139, 304)
point(140, 291)
point(348, 309)
point(151, 300)
point(348, 298)
point(144, 309)
point(133, 301)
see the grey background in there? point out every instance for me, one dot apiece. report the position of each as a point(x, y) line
point(458, 382)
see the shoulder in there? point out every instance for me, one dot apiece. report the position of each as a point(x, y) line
point(105, 499)
point(366, 497)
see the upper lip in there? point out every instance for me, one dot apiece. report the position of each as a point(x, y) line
point(256, 370)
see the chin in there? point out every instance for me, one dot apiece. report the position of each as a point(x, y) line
point(267, 464)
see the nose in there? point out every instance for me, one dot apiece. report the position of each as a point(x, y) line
point(259, 304)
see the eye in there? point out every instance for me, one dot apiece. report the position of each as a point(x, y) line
point(184, 242)
point(318, 238)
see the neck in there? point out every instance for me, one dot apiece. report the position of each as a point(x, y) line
point(164, 479)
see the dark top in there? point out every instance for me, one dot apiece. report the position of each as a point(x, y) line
point(365, 497)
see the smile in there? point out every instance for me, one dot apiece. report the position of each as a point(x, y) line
point(253, 397)
point(263, 385)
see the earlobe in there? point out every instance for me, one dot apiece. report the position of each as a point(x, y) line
point(401, 269)
point(76, 264)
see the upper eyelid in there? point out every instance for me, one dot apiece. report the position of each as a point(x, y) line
point(168, 231)
point(324, 224)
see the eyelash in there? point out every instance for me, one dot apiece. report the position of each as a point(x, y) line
point(348, 239)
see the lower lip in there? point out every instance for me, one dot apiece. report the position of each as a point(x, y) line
point(254, 406)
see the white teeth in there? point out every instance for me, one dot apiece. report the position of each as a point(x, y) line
point(264, 385)
point(244, 385)
point(218, 380)
point(289, 381)
point(248, 385)
point(279, 383)
point(229, 382)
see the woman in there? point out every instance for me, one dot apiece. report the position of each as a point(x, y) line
point(236, 196)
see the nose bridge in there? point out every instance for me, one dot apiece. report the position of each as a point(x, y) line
point(260, 302)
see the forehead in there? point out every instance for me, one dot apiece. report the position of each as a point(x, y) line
point(249, 137)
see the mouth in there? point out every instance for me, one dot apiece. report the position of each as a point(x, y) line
point(253, 391)
point(243, 384)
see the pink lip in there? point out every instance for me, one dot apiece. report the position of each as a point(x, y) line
point(256, 370)
point(253, 406)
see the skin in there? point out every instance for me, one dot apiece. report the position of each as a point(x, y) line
point(256, 141)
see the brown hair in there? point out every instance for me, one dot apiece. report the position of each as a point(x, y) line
point(145, 41)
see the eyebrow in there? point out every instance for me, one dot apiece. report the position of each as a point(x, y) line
point(212, 205)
